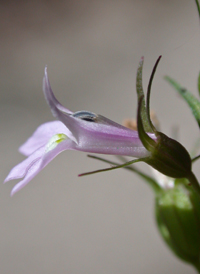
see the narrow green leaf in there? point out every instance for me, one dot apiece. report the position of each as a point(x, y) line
point(198, 7)
point(199, 83)
point(191, 100)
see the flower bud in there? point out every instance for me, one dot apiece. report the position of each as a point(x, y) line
point(166, 154)
point(178, 220)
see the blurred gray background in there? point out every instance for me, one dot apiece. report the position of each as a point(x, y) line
point(104, 223)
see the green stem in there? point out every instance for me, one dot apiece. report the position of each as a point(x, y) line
point(195, 149)
point(195, 158)
point(194, 182)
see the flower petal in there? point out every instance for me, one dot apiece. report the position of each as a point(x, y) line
point(20, 170)
point(41, 136)
point(96, 133)
point(59, 111)
point(35, 165)
point(107, 137)
point(50, 98)
point(32, 172)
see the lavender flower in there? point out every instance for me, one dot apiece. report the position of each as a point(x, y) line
point(89, 132)
point(82, 130)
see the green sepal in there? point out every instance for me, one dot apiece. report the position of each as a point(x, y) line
point(178, 220)
point(113, 167)
point(191, 100)
point(149, 93)
point(140, 94)
point(166, 154)
point(148, 179)
point(170, 157)
point(148, 143)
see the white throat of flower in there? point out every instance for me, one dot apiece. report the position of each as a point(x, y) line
point(54, 141)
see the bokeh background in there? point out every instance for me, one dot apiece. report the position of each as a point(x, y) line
point(104, 223)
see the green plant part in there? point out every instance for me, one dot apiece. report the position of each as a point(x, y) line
point(178, 218)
